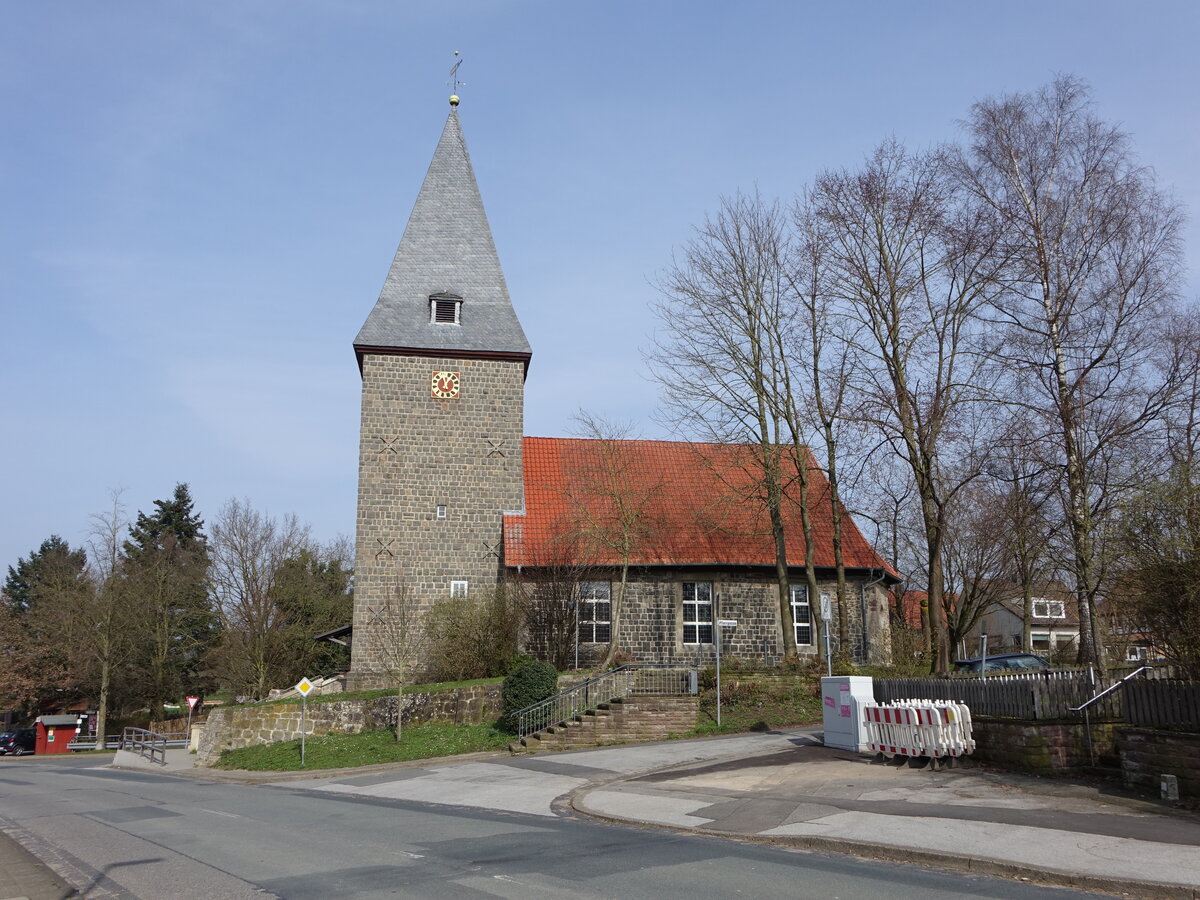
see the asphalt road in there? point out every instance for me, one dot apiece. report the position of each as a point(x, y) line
point(145, 835)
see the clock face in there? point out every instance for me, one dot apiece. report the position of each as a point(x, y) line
point(445, 385)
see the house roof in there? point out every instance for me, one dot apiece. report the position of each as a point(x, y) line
point(1043, 590)
point(687, 503)
point(447, 249)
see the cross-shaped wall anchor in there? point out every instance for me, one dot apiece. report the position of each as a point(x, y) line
point(491, 549)
point(376, 615)
point(384, 550)
point(388, 445)
point(497, 447)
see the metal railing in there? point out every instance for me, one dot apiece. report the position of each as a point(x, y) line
point(663, 679)
point(145, 743)
point(114, 741)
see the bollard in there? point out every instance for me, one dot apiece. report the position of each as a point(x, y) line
point(1170, 787)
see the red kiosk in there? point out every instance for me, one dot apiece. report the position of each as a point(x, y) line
point(54, 733)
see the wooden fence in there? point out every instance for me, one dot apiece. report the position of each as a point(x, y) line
point(1149, 700)
point(1169, 704)
point(1036, 696)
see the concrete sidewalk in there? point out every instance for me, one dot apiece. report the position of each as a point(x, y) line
point(25, 877)
point(1048, 831)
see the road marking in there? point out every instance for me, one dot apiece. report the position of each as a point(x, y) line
point(217, 812)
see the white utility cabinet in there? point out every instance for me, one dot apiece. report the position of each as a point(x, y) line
point(842, 700)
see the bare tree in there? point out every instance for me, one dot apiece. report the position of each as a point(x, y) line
point(107, 627)
point(248, 550)
point(397, 638)
point(823, 344)
point(550, 598)
point(912, 268)
point(975, 555)
point(613, 508)
point(1092, 256)
point(724, 360)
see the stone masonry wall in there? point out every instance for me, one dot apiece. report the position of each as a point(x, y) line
point(231, 727)
point(651, 626)
point(1147, 755)
point(417, 453)
point(1042, 747)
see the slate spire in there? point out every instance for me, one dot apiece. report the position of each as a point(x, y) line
point(447, 251)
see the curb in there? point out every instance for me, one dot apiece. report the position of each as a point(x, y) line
point(976, 865)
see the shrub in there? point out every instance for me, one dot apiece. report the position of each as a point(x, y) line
point(529, 683)
point(472, 637)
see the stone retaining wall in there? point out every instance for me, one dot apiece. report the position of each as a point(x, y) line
point(231, 727)
point(1147, 755)
point(1042, 747)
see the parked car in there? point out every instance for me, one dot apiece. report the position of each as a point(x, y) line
point(23, 740)
point(1004, 662)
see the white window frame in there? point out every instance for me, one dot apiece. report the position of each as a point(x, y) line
point(441, 510)
point(595, 612)
point(459, 589)
point(694, 604)
point(802, 623)
point(1051, 609)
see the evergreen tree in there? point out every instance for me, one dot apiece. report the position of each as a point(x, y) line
point(40, 621)
point(48, 568)
point(312, 591)
point(167, 566)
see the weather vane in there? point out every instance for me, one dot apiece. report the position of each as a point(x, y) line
point(454, 83)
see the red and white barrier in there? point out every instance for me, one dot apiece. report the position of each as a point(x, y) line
point(934, 728)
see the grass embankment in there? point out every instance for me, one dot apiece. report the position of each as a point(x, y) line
point(759, 705)
point(335, 751)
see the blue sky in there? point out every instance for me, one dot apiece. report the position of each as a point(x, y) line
point(199, 201)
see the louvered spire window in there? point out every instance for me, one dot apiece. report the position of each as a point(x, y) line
point(445, 309)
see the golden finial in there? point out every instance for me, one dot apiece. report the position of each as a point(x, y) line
point(454, 82)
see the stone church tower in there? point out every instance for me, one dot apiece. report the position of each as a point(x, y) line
point(443, 361)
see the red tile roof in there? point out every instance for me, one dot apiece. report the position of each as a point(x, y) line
point(690, 503)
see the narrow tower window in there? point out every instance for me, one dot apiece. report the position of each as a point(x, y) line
point(445, 309)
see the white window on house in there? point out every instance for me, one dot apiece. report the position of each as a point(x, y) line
point(1040, 640)
point(445, 309)
point(1049, 609)
point(458, 589)
point(1138, 654)
point(595, 612)
point(441, 511)
point(697, 613)
point(802, 615)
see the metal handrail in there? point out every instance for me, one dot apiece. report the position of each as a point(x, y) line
point(1108, 690)
point(623, 681)
point(147, 744)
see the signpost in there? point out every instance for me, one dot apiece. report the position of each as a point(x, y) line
point(192, 701)
point(721, 623)
point(826, 617)
point(304, 686)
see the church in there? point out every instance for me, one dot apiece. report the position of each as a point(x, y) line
point(455, 500)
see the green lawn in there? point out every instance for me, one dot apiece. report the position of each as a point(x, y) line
point(335, 751)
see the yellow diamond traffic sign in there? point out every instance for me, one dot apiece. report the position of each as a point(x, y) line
point(304, 687)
